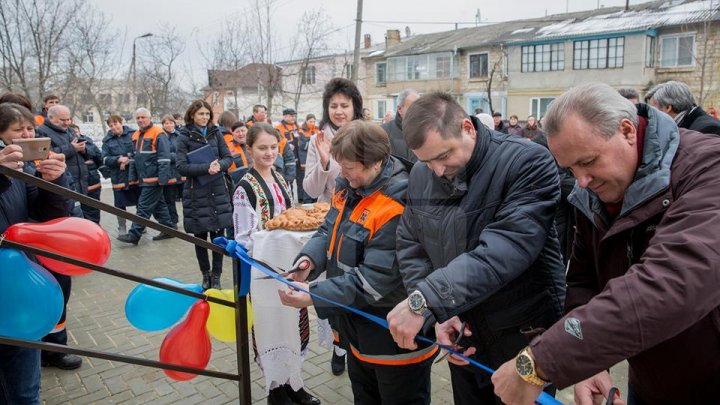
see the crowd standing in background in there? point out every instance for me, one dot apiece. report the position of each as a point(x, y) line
point(605, 203)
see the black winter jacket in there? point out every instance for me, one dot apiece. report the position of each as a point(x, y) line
point(175, 177)
point(60, 143)
point(398, 146)
point(20, 202)
point(113, 148)
point(700, 121)
point(93, 161)
point(483, 245)
point(207, 208)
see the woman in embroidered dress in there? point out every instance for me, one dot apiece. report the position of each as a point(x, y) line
point(261, 195)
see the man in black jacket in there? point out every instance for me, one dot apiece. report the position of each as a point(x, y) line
point(676, 100)
point(398, 147)
point(476, 243)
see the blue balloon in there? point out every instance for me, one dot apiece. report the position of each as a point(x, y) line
point(151, 309)
point(31, 300)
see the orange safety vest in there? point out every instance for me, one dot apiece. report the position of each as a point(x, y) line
point(235, 150)
point(150, 135)
point(39, 119)
point(285, 130)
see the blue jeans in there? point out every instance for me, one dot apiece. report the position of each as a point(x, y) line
point(19, 375)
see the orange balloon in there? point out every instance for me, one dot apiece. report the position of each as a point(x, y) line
point(73, 237)
point(188, 343)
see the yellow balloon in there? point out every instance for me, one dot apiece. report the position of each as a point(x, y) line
point(221, 322)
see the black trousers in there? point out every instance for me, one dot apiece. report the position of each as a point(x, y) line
point(303, 197)
point(59, 337)
point(151, 203)
point(89, 212)
point(374, 384)
point(170, 195)
point(202, 254)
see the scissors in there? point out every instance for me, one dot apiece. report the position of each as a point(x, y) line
point(460, 336)
point(282, 271)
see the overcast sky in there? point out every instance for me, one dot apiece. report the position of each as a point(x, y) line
point(202, 18)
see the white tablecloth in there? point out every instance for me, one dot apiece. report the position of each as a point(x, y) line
point(276, 326)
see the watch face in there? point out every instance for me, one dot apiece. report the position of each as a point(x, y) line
point(415, 301)
point(524, 365)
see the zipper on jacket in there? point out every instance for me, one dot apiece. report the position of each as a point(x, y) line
point(630, 249)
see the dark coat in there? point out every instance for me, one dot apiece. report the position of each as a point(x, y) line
point(21, 202)
point(60, 143)
point(93, 160)
point(151, 158)
point(113, 148)
point(698, 120)
point(175, 177)
point(398, 147)
point(207, 208)
point(646, 286)
point(483, 246)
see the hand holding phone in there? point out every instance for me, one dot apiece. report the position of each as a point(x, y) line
point(33, 148)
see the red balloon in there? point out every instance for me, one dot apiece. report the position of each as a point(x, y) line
point(74, 237)
point(188, 343)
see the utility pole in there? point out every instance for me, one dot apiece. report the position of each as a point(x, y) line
point(132, 63)
point(358, 29)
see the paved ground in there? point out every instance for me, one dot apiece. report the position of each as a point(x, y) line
point(96, 320)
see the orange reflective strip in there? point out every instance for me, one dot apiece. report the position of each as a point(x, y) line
point(336, 336)
point(378, 209)
point(150, 180)
point(338, 203)
point(94, 187)
point(39, 119)
point(172, 181)
point(397, 362)
point(120, 185)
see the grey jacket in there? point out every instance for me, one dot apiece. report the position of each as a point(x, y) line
point(483, 246)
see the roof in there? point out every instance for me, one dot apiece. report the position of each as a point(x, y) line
point(656, 14)
point(245, 77)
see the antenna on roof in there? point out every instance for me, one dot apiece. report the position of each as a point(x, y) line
point(477, 18)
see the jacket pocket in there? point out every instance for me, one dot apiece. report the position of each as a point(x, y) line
point(352, 247)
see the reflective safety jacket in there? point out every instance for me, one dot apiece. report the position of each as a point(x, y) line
point(241, 159)
point(355, 245)
point(303, 141)
point(152, 157)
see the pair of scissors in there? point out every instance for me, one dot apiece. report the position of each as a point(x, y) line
point(284, 272)
point(460, 336)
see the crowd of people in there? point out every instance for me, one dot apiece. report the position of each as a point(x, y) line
point(548, 251)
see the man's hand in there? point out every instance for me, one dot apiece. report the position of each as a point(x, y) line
point(78, 145)
point(294, 298)
point(511, 388)
point(405, 325)
point(446, 334)
point(53, 167)
point(11, 157)
point(305, 265)
point(595, 389)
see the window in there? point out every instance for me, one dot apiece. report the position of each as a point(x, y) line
point(606, 53)
point(677, 50)
point(308, 75)
point(420, 67)
point(478, 65)
point(650, 51)
point(539, 105)
point(89, 116)
point(347, 71)
point(542, 58)
point(380, 73)
point(381, 106)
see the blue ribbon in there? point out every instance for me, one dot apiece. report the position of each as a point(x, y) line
point(239, 252)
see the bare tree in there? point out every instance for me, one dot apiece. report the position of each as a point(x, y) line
point(230, 50)
point(313, 29)
point(260, 37)
point(495, 71)
point(157, 76)
point(33, 40)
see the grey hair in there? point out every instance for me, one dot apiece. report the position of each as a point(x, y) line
point(404, 95)
point(629, 93)
point(597, 104)
point(142, 110)
point(57, 109)
point(675, 94)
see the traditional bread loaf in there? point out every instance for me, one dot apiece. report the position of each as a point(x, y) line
point(298, 219)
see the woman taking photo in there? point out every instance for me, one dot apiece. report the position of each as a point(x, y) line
point(207, 209)
point(262, 195)
point(355, 246)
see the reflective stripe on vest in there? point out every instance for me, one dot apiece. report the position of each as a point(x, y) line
point(402, 359)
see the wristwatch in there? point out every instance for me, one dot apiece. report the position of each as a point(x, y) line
point(525, 366)
point(416, 302)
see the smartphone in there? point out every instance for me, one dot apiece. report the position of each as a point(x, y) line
point(34, 148)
